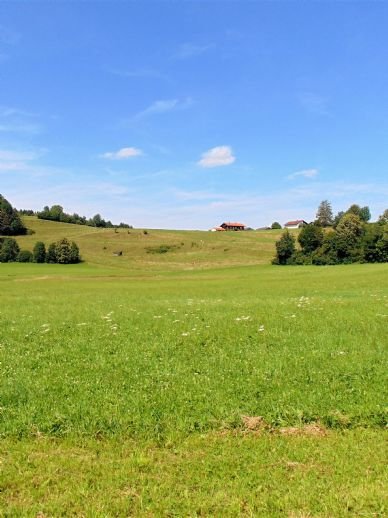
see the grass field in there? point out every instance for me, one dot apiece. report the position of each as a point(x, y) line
point(192, 382)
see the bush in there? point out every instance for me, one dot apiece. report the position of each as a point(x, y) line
point(51, 256)
point(66, 252)
point(39, 252)
point(285, 249)
point(310, 238)
point(276, 225)
point(25, 256)
point(9, 250)
point(161, 249)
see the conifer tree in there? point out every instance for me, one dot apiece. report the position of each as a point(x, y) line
point(324, 214)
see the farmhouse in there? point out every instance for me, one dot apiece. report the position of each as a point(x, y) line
point(218, 229)
point(298, 223)
point(233, 226)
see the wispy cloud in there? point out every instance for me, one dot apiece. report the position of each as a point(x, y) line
point(15, 127)
point(198, 195)
point(20, 156)
point(15, 120)
point(189, 50)
point(164, 106)
point(24, 162)
point(143, 73)
point(304, 173)
point(217, 156)
point(122, 154)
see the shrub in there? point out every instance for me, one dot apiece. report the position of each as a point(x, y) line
point(25, 256)
point(161, 249)
point(66, 252)
point(310, 238)
point(9, 250)
point(276, 225)
point(348, 237)
point(39, 252)
point(285, 249)
point(51, 256)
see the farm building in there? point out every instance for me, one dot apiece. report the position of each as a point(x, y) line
point(298, 223)
point(218, 229)
point(233, 226)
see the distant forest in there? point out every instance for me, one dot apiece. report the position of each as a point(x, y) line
point(56, 213)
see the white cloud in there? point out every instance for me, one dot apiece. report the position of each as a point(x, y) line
point(7, 155)
point(217, 156)
point(123, 153)
point(14, 120)
point(189, 50)
point(164, 106)
point(305, 173)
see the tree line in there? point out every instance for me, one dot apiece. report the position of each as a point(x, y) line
point(345, 238)
point(62, 251)
point(56, 213)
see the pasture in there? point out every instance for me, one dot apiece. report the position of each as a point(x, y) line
point(182, 384)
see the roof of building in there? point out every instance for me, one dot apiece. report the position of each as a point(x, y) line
point(296, 222)
point(231, 224)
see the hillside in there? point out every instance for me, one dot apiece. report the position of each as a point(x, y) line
point(188, 249)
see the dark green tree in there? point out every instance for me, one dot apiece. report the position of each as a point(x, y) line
point(66, 252)
point(362, 212)
point(97, 221)
point(310, 238)
point(25, 256)
point(324, 215)
point(276, 225)
point(63, 251)
point(39, 252)
point(51, 255)
point(285, 248)
point(10, 222)
point(9, 250)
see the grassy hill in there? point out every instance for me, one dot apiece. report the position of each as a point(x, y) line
point(157, 249)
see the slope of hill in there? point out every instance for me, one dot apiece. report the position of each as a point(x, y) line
point(157, 249)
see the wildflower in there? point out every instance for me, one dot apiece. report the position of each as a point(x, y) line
point(261, 328)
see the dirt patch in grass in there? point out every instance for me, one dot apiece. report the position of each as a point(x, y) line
point(254, 423)
point(257, 425)
point(311, 429)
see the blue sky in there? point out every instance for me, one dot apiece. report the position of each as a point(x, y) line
point(187, 114)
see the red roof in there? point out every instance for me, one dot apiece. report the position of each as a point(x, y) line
point(296, 222)
point(229, 224)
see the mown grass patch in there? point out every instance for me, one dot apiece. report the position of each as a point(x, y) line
point(341, 474)
point(166, 356)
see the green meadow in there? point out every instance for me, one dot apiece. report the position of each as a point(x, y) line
point(189, 377)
